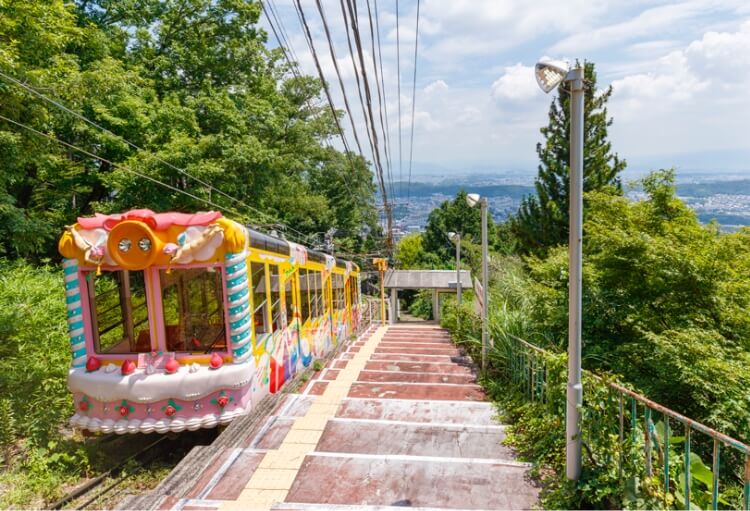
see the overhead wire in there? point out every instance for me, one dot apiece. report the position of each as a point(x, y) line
point(368, 125)
point(304, 238)
point(285, 40)
point(381, 90)
point(363, 69)
point(326, 88)
point(284, 35)
point(88, 121)
point(398, 81)
point(338, 71)
point(210, 188)
point(413, 105)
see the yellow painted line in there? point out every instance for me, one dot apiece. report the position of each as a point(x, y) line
point(271, 481)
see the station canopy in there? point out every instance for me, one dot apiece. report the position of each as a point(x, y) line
point(442, 280)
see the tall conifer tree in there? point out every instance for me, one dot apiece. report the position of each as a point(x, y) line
point(542, 220)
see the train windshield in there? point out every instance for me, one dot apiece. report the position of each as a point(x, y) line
point(193, 307)
point(119, 312)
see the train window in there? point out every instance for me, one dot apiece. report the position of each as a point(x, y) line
point(260, 300)
point(289, 298)
point(193, 307)
point(275, 298)
point(119, 313)
point(338, 291)
point(353, 291)
point(304, 296)
point(316, 294)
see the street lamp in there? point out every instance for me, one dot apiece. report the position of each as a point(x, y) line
point(455, 237)
point(549, 75)
point(473, 199)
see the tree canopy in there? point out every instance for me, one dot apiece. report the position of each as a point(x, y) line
point(542, 220)
point(192, 85)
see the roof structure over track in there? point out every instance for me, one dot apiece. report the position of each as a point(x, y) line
point(443, 280)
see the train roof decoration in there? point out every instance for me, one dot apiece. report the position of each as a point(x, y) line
point(141, 238)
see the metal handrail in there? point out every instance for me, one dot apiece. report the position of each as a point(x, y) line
point(529, 373)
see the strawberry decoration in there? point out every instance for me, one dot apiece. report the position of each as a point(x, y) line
point(171, 408)
point(216, 361)
point(92, 364)
point(84, 405)
point(222, 400)
point(172, 366)
point(125, 409)
point(128, 367)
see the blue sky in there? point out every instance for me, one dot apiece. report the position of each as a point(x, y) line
point(680, 72)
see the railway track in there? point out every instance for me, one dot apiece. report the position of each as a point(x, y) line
point(112, 481)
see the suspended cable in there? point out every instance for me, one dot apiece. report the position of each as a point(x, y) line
point(282, 30)
point(81, 117)
point(310, 44)
point(376, 150)
point(266, 7)
point(116, 165)
point(398, 75)
point(413, 105)
point(338, 72)
point(381, 90)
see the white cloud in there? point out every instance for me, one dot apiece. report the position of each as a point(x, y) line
point(716, 61)
point(517, 84)
point(436, 86)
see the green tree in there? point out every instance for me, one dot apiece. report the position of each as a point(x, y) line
point(664, 305)
point(410, 253)
point(192, 84)
point(542, 220)
point(454, 216)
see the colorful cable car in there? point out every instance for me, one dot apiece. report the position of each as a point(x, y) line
point(185, 321)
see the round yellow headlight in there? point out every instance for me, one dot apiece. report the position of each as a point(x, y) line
point(132, 245)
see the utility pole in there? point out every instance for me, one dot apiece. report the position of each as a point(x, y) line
point(382, 265)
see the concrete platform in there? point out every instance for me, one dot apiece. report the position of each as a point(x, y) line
point(396, 420)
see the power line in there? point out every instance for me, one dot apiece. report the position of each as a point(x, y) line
point(284, 47)
point(398, 75)
point(413, 104)
point(338, 72)
point(114, 165)
point(308, 38)
point(313, 52)
point(282, 30)
point(81, 117)
point(368, 95)
point(381, 95)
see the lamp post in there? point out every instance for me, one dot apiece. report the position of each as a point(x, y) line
point(549, 75)
point(473, 199)
point(455, 237)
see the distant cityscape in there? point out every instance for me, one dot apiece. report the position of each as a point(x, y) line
point(724, 198)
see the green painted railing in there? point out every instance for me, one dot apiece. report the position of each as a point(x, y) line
point(630, 417)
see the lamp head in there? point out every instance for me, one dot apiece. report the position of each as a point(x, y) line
point(472, 199)
point(549, 74)
point(453, 236)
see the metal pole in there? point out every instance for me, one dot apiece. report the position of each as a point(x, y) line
point(382, 296)
point(485, 262)
point(575, 389)
point(394, 306)
point(458, 270)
